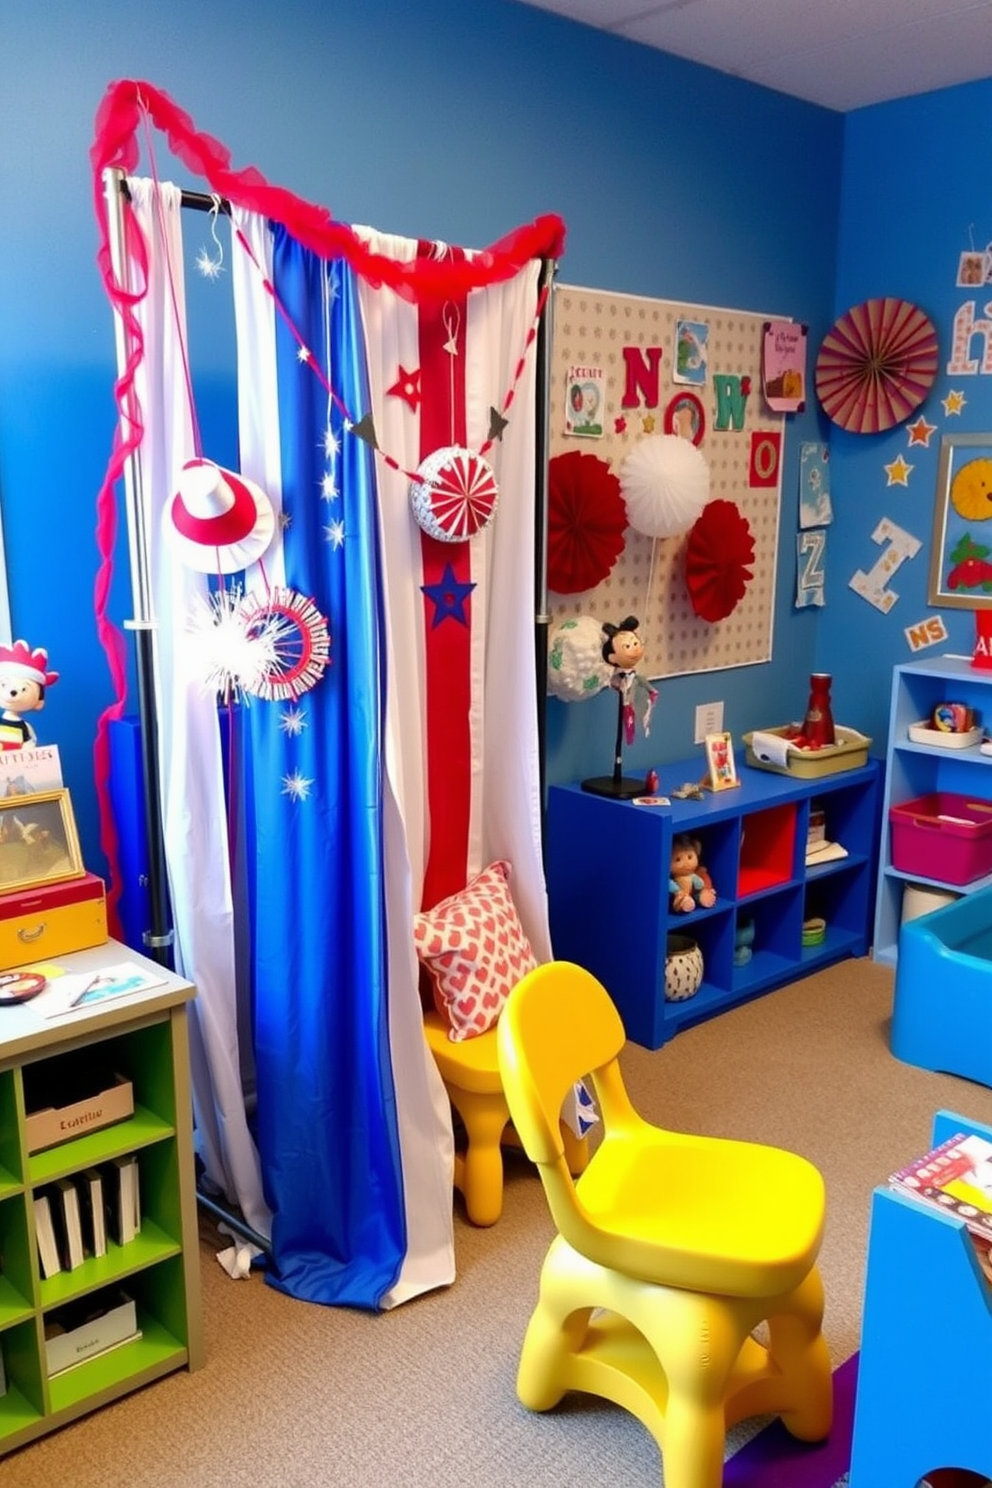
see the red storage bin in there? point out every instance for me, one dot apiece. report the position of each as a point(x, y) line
point(943, 836)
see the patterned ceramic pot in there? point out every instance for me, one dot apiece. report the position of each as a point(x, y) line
point(683, 968)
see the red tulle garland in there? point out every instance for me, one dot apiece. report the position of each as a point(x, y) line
point(719, 549)
point(127, 106)
point(587, 519)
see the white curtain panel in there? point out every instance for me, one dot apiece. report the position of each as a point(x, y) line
point(191, 775)
point(505, 806)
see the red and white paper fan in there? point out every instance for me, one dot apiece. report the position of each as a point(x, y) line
point(876, 365)
point(454, 495)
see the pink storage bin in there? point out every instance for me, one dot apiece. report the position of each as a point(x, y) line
point(943, 836)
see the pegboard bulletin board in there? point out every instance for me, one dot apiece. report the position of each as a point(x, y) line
point(741, 438)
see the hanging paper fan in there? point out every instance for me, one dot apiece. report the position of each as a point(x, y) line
point(666, 483)
point(586, 522)
point(717, 555)
point(454, 495)
point(876, 365)
point(296, 633)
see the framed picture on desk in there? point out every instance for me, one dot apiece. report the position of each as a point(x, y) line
point(720, 762)
point(38, 841)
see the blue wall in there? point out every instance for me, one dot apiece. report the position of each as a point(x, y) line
point(915, 196)
point(457, 122)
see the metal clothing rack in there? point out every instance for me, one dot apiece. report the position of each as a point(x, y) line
point(160, 937)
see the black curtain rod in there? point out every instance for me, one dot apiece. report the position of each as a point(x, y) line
point(198, 201)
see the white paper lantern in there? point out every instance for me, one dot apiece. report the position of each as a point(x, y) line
point(665, 482)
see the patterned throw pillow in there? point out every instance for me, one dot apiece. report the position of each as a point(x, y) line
point(475, 950)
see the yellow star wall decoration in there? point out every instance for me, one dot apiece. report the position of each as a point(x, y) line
point(954, 402)
point(898, 472)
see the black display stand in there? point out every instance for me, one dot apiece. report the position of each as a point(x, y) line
point(618, 786)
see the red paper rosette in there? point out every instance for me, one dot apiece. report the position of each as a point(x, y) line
point(717, 555)
point(876, 365)
point(587, 519)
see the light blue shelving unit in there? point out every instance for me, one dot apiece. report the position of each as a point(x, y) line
point(925, 1372)
point(914, 770)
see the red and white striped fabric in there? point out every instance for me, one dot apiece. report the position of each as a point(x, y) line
point(462, 742)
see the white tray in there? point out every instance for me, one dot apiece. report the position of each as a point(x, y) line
point(922, 733)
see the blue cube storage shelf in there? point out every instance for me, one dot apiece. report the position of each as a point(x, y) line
point(608, 874)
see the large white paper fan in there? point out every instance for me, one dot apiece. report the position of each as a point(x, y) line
point(665, 482)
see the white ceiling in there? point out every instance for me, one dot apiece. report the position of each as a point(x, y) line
point(842, 54)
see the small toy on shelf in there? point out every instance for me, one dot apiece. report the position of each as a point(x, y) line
point(24, 675)
point(743, 941)
point(689, 884)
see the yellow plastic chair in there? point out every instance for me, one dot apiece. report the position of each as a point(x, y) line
point(671, 1250)
point(470, 1071)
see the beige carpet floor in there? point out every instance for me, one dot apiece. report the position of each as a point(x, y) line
point(298, 1395)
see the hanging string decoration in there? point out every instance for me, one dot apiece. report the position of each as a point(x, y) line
point(454, 495)
point(876, 365)
point(298, 635)
point(586, 522)
point(665, 482)
point(717, 556)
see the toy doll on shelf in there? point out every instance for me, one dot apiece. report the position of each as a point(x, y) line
point(689, 884)
point(24, 675)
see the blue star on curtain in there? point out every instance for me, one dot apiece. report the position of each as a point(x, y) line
point(449, 597)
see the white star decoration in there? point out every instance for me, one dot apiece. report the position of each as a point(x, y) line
point(303, 354)
point(328, 487)
point(293, 721)
point(296, 786)
point(334, 533)
point(210, 268)
point(332, 444)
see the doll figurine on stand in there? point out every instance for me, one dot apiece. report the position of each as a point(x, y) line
point(689, 884)
point(24, 675)
point(623, 649)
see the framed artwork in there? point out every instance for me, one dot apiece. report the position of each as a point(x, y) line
point(720, 762)
point(961, 556)
point(38, 841)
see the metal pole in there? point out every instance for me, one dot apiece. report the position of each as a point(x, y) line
point(542, 619)
point(159, 937)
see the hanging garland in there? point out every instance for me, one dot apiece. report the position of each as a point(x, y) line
point(116, 147)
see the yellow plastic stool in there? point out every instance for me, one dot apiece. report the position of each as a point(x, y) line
point(470, 1071)
point(671, 1250)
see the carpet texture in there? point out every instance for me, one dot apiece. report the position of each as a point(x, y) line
point(774, 1459)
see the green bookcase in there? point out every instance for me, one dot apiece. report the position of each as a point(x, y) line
point(145, 1037)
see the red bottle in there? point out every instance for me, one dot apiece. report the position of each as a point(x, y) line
point(818, 725)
